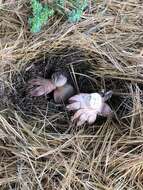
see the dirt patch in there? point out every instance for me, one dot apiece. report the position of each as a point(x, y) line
point(77, 65)
point(70, 61)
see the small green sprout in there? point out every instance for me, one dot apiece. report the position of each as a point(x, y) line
point(75, 14)
point(40, 15)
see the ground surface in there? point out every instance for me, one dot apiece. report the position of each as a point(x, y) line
point(39, 147)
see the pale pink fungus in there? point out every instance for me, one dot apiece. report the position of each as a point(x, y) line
point(88, 106)
point(57, 83)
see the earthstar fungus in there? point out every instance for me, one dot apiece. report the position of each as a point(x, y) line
point(58, 83)
point(88, 106)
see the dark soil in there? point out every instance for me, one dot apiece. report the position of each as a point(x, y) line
point(44, 67)
point(67, 60)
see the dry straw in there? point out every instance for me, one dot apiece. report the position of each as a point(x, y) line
point(39, 147)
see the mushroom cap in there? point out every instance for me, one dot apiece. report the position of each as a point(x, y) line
point(96, 101)
point(59, 79)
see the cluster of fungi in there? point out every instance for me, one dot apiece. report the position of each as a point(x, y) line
point(85, 105)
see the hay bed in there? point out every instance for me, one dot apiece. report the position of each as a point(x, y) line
point(39, 147)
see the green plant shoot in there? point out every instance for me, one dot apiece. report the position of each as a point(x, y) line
point(40, 15)
point(75, 14)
